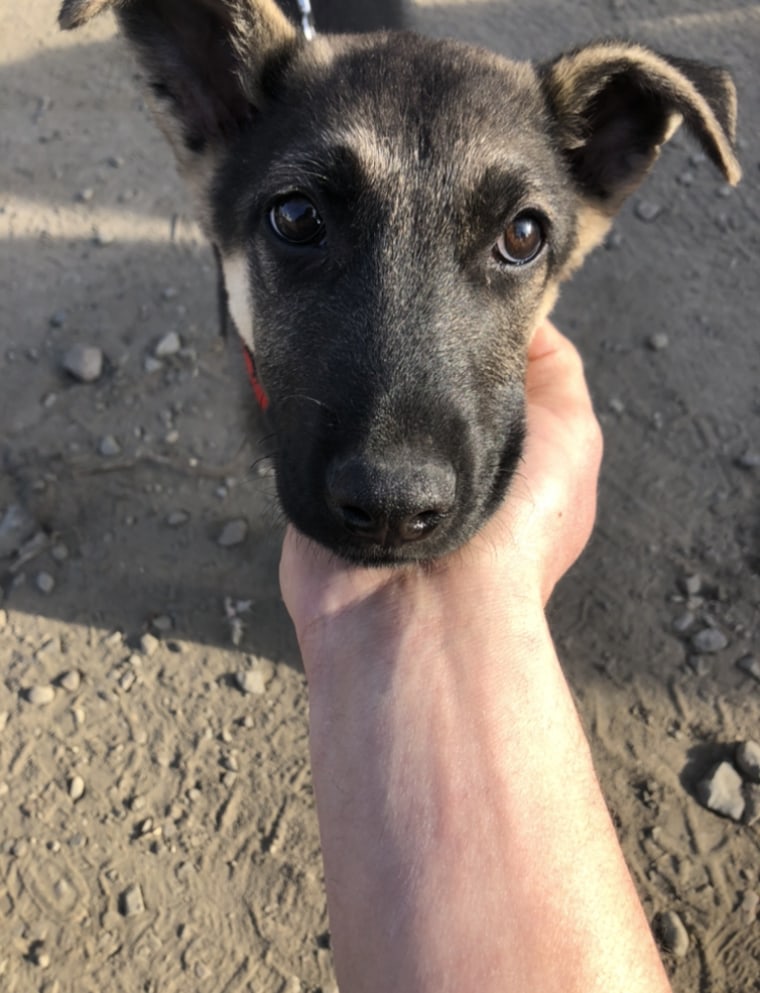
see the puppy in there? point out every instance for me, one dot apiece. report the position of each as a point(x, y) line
point(393, 217)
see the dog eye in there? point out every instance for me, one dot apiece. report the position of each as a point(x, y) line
point(296, 220)
point(522, 240)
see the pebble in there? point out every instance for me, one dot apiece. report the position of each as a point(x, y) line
point(177, 518)
point(149, 643)
point(151, 365)
point(752, 809)
point(748, 760)
point(750, 460)
point(170, 344)
point(750, 665)
point(42, 695)
point(616, 405)
point(647, 211)
point(659, 341)
point(692, 584)
point(57, 319)
point(708, 641)
point(163, 624)
point(721, 791)
point(674, 938)
point(233, 533)
point(85, 195)
point(83, 362)
point(686, 178)
point(45, 583)
point(108, 446)
point(614, 240)
point(250, 681)
point(683, 622)
point(71, 680)
point(169, 292)
point(76, 788)
point(131, 902)
point(59, 552)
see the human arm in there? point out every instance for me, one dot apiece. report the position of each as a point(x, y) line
point(465, 839)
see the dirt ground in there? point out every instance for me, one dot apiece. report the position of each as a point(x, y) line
point(157, 830)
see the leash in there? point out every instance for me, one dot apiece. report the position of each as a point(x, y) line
point(309, 33)
point(307, 20)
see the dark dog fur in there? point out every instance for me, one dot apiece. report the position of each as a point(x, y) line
point(394, 216)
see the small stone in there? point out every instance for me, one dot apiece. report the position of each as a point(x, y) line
point(57, 319)
point(750, 460)
point(59, 552)
point(721, 791)
point(177, 518)
point(658, 341)
point(151, 365)
point(108, 446)
point(131, 902)
point(672, 934)
point(750, 665)
point(76, 788)
point(686, 178)
point(683, 622)
point(115, 161)
point(752, 808)
point(149, 643)
point(616, 405)
point(162, 623)
point(233, 533)
point(691, 584)
point(708, 641)
point(647, 211)
point(42, 695)
point(45, 583)
point(697, 158)
point(169, 292)
point(748, 760)
point(250, 681)
point(169, 345)
point(71, 680)
point(724, 191)
point(83, 362)
point(614, 240)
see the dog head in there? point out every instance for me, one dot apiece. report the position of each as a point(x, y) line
point(394, 217)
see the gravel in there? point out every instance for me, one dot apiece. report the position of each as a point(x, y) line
point(41, 695)
point(647, 211)
point(708, 641)
point(672, 934)
point(71, 680)
point(76, 788)
point(748, 760)
point(108, 446)
point(233, 533)
point(167, 346)
point(131, 901)
point(83, 362)
point(45, 583)
point(658, 342)
point(721, 791)
point(251, 682)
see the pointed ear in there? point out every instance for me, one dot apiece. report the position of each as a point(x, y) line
point(616, 104)
point(203, 59)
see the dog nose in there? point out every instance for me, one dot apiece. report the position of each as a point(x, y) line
point(391, 502)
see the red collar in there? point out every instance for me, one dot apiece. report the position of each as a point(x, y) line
point(258, 390)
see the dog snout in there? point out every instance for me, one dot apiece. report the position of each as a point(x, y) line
point(390, 502)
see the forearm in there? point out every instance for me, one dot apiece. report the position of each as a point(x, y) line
point(465, 839)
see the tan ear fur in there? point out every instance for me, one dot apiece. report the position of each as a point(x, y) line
point(704, 96)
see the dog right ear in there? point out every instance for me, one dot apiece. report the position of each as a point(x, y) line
point(204, 60)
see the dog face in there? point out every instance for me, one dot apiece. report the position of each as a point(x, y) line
point(394, 216)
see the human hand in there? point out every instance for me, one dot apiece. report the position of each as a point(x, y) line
point(529, 543)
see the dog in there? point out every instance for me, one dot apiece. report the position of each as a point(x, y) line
point(393, 217)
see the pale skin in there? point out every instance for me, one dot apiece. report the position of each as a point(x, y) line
point(466, 842)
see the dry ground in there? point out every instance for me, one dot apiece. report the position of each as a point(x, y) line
point(157, 830)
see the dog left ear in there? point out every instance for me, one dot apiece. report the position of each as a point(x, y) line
point(616, 104)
